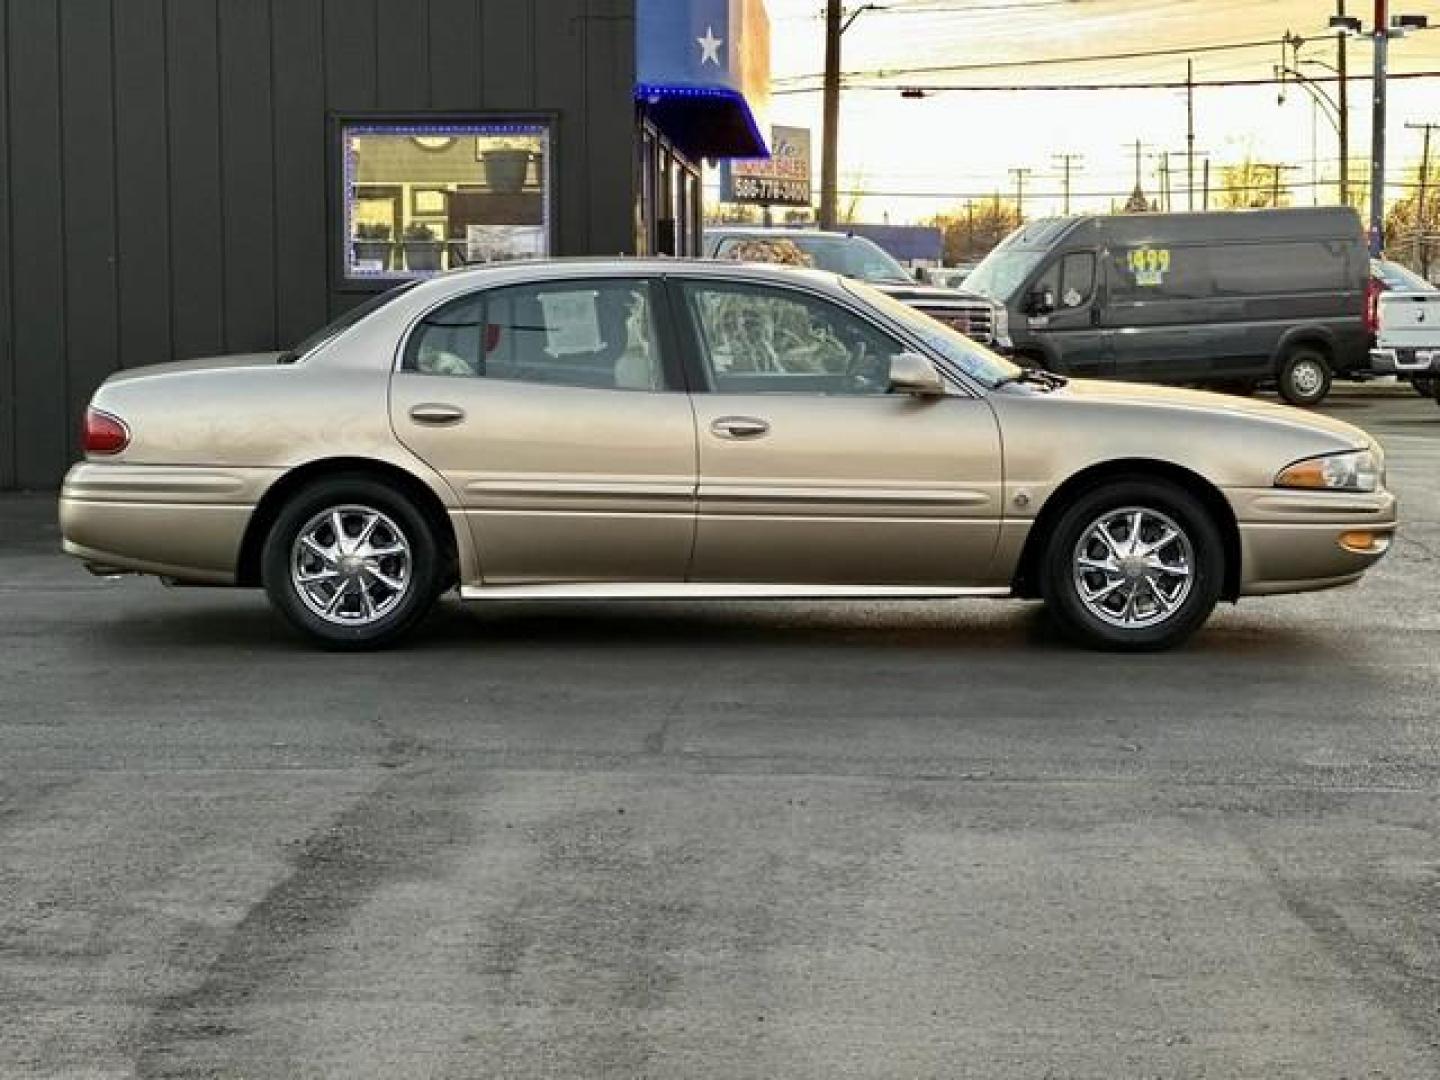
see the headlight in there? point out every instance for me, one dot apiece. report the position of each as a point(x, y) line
point(1355, 470)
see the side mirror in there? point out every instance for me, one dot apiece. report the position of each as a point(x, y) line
point(1041, 302)
point(911, 373)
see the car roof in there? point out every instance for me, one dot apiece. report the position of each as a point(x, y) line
point(761, 232)
point(518, 272)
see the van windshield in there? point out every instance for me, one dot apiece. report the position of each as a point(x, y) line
point(1002, 273)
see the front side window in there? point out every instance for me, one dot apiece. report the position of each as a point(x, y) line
point(1077, 279)
point(420, 198)
point(757, 340)
point(595, 334)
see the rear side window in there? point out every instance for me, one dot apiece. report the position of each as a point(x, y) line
point(596, 334)
point(1311, 266)
point(1157, 272)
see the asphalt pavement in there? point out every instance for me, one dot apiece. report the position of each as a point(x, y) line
point(735, 841)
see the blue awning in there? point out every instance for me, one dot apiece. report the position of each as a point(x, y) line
point(703, 74)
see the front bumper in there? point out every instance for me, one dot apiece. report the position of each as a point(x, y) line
point(181, 523)
point(1300, 541)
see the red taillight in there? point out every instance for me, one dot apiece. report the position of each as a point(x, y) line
point(1373, 289)
point(105, 434)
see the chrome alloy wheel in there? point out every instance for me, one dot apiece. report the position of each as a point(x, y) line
point(1134, 568)
point(351, 565)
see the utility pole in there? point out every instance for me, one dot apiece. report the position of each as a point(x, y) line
point(1342, 44)
point(1020, 175)
point(1420, 195)
point(829, 153)
point(1067, 163)
point(1190, 134)
point(1276, 171)
point(1377, 127)
point(1206, 203)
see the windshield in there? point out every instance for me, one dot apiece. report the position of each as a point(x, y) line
point(1400, 279)
point(345, 322)
point(1002, 273)
point(853, 257)
point(973, 359)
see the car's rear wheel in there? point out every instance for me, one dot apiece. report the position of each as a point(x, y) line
point(1424, 385)
point(1135, 565)
point(1304, 378)
point(352, 563)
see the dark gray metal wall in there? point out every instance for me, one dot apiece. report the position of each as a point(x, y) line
point(164, 187)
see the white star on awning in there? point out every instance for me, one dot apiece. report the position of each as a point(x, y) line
point(710, 47)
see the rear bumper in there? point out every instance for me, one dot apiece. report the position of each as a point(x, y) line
point(1406, 361)
point(181, 523)
point(1294, 541)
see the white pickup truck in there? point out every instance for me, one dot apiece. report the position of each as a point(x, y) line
point(1407, 338)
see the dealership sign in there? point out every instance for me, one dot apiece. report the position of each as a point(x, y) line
point(782, 179)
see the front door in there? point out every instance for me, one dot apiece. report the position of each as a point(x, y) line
point(810, 472)
point(1069, 328)
point(550, 410)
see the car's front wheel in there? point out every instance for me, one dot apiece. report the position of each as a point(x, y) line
point(351, 562)
point(1138, 565)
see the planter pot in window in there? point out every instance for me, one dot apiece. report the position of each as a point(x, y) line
point(370, 252)
point(423, 256)
point(506, 170)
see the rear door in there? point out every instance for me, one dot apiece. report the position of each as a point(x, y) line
point(559, 419)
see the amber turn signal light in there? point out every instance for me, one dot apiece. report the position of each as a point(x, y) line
point(1364, 542)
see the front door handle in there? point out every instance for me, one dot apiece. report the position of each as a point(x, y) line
point(739, 427)
point(434, 414)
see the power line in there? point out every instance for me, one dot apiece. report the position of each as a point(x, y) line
point(1212, 84)
point(1141, 54)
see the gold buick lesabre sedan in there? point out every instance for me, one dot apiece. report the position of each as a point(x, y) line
point(628, 429)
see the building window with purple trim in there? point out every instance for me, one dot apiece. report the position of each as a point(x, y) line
point(422, 197)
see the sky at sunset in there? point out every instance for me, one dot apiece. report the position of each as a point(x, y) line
point(959, 144)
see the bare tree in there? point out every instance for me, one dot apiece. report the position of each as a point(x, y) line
point(972, 229)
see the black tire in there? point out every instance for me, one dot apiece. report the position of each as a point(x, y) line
point(421, 568)
point(1304, 377)
point(1163, 504)
point(1424, 385)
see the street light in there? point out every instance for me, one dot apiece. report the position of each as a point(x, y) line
point(1336, 111)
point(1384, 28)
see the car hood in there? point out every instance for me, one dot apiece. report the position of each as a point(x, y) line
point(1169, 397)
point(926, 294)
point(209, 363)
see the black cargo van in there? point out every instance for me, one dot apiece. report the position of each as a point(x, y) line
point(1229, 300)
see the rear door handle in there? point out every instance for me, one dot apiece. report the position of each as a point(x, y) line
point(437, 415)
point(739, 427)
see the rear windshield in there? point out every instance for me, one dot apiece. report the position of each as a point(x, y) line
point(1394, 276)
point(337, 327)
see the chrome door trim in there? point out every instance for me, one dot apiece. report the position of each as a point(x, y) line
point(721, 590)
